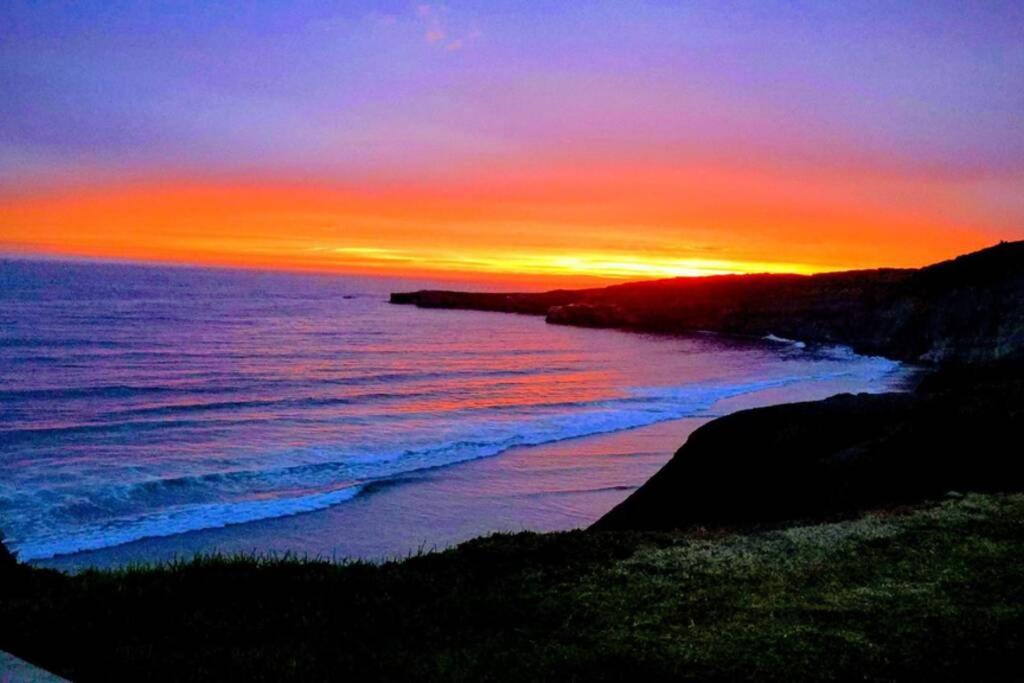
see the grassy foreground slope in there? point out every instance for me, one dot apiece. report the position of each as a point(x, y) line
point(931, 592)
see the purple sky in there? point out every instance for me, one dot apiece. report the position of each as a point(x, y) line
point(782, 135)
point(403, 88)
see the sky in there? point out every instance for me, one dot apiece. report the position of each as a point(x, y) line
point(559, 140)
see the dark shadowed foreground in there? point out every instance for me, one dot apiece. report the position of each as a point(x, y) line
point(959, 430)
point(932, 593)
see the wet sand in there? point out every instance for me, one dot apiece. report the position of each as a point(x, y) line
point(558, 486)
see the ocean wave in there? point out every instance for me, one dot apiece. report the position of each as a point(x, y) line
point(172, 522)
point(121, 391)
point(101, 391)
point(64, 343)
point(783, 340)
point(60, 434)
point(307, 480)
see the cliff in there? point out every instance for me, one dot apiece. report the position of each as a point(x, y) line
point(964, 311)
point(960, 431)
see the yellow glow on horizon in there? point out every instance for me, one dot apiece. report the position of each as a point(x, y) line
point(566, 230)
point(609, 266)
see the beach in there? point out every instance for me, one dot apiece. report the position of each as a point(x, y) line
point(554, 487)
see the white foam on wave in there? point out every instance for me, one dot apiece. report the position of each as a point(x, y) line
point(312, 486)
point(173, 521)
point(783, 340)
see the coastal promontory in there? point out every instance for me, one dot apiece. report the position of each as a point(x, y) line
point(968, 310)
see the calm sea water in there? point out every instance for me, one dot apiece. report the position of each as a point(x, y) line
point(141, 402)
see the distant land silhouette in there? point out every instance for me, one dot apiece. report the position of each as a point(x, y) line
point(967, 310)
point(959, 430)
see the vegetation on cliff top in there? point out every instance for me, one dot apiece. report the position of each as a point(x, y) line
point(932, 592)
point(958, 430)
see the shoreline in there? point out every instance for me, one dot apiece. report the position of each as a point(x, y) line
point(423, 500)
point(870, 535)
point(420, 508)
point(962, 317)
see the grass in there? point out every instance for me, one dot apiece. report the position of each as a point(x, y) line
point(934, 592)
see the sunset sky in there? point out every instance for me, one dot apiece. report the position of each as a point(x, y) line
point(561, 140)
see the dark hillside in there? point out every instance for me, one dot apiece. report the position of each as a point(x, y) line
point(965, 311)
point(960, 431)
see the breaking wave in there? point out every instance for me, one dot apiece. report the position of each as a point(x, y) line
point(301, 481)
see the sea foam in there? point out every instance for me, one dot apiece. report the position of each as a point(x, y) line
point(641, 407)
point(148, 402)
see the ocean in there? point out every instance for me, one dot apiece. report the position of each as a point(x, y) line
point(151, 405)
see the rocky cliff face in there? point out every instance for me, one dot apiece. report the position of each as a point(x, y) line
point(964, 311)
point(958, 432)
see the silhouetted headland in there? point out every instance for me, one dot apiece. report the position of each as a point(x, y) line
point(966, 310)
point(957, 431)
